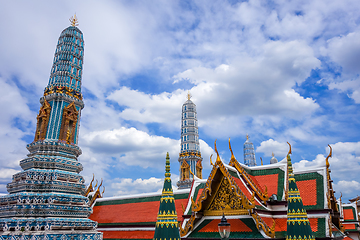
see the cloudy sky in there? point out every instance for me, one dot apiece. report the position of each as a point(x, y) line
point(276, 70)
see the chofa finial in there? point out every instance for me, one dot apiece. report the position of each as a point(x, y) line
point(232, 154)
point(327, 158)
point(289, 149)
point(217, 153)
point(74, 21)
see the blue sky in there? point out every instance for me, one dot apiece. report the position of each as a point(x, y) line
point(276, 70)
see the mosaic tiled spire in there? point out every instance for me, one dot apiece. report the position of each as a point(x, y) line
point(190, 156)
point(45, 200)
point(249, 153)
point(167, 224)
point(298, 225)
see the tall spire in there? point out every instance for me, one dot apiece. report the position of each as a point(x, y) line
point(249, 153)
point(190, 156)
point(298, 225)
point(48, 192)
point(167, 225)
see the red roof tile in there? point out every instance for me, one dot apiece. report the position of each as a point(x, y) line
point(348, 214)
point(270, 181)
point(349, 226)
point(236, 226)
point(132, 212)
point(242, 187)
point(128, 234)
point(280, 223)
point(307, 189)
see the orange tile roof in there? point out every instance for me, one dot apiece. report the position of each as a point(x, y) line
point(280, 223)
point(348, 214)
point(128, 234)
point(270, 181)
point(307, 189)
point(132, 212)
point(349, 226)
point(242, 187)
point(254, 179)
point(236, 226)
point(199, 194)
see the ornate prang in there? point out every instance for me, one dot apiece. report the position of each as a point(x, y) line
point(46, 199)
point(190, 147)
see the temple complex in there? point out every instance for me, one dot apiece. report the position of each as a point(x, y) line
point(190, 156)
point(45, 199)
point(48, 198)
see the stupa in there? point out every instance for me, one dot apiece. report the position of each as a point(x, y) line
point(45, 199)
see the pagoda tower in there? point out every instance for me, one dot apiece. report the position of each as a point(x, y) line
point(298, 225)
point(190, 156)
point(45, 199)
point(249, 153)
point(166, 226)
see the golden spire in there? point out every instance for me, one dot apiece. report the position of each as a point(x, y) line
point(327, 158)
point(289, 149)
point(189, 95)
point(272, 154)
point(232, 154)
point(217, 153)
point(74, 21)
point(247, 136)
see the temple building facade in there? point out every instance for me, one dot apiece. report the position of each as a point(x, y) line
point(45, 199)
point(259, 202)
point(190, 156)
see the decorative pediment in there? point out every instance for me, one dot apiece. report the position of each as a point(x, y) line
point(227, 201)
point(221, 193)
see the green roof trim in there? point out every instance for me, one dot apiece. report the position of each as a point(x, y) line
point(140, 200)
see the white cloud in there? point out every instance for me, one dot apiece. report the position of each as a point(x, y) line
point(350, 188)
point(271, 146)
point(126, 186)
point(344, 165)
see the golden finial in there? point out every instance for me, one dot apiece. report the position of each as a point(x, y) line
point(327, 158)
point(289, 149)
point(74, 21)
point(232, 154)
point(261, 161)
point(247, 136)
point(189, 95)
point(272, 154)
point(217, 153)
point(211, 160)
